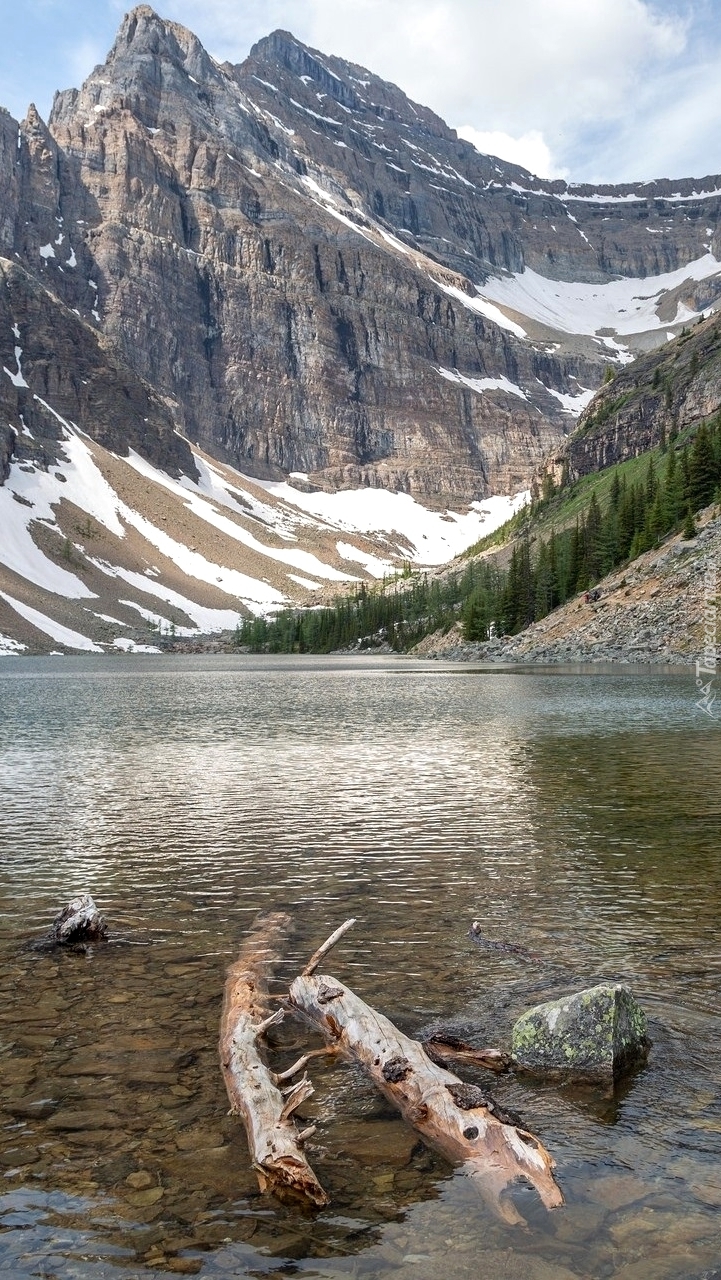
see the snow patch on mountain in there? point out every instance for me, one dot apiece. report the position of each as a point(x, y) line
point(375, 567)
point(572, 404)
point(16, 378)
point(37, 493)
point(49, 627)
point(10, 647)
point(483, 384)
point(627, 306)
point(430, 537)
point(131, 646)
point(482, 306)
point(207, 620)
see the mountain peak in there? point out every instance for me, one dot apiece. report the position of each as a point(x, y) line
point(146, 48)
point(346, 83)
point(143, 30)
point(282, 48)
point(135, 25)
point(33, 120)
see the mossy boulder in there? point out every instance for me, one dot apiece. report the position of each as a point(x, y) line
point(594, 1035)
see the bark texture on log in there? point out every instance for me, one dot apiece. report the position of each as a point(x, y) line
point(79, 921)
point(448, 1114)
point(442, 1050)
point(273, 1140)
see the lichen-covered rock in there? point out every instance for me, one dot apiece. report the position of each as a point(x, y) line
point(593, 1035)
point(79, 921)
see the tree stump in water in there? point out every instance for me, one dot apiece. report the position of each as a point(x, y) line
point(79, 921)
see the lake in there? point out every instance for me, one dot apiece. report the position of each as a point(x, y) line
point(575, 814)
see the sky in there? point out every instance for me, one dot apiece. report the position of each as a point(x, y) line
point(588, 90)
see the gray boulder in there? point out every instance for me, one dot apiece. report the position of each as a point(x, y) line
point(593, 1035)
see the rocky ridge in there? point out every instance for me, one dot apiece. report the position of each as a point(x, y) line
point(665, 391)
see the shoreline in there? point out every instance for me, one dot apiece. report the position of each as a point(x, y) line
point(660, 611)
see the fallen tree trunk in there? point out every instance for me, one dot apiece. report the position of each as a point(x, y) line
point(274, 1142)
point(450, 1116)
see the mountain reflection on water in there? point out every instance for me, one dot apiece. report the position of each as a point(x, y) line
point(574, 814)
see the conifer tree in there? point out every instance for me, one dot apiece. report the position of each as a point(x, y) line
point(658, 516)
point(574, 559)
point(689, 525)
point(702, 470)
point(593, 548)
point(542, 584)
point(685, 475)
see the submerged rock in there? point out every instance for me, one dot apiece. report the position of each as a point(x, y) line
point(593, 1035)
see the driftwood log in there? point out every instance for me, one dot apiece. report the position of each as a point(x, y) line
point(267, 1112)
point(450, 1116)
point(444, 1049)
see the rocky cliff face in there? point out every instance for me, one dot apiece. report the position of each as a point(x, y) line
point(290, 253)
point(667, 390)
point(57, 368)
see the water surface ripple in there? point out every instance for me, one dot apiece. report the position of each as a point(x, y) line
point(577, 815)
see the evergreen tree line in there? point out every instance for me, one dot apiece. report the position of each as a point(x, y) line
point(542, 574)
point(399, 614)
point(636, 517)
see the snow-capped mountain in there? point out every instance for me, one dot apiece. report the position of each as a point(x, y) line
point(217, 279)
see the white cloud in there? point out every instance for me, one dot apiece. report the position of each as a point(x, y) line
point(673, 131)
point(530, 150)
point(537, 78)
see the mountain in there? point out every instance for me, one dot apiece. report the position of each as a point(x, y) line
point(660, 395)
point(286, 273)
point(291, 252)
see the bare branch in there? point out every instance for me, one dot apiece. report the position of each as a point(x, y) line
point(326, 1051)
point(328, 945)
point(271, 1021)
point(297, 1095)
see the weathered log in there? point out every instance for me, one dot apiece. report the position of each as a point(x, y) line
point(448, 1114)
point(79, 921)
point(443, 1049)
point(274, 1142)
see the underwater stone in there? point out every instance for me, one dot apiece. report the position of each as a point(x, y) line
point(592, 1035)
